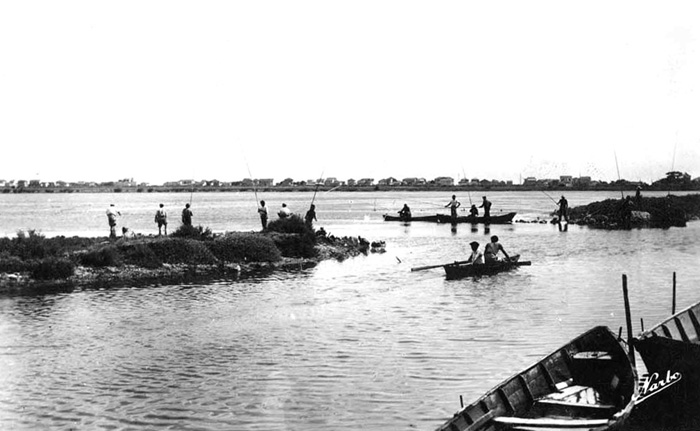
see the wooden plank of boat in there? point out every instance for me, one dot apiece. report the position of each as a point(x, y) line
point(671, 353)
point(456, 270)
point(497, 219)
point(428, 218)
point(592, 376)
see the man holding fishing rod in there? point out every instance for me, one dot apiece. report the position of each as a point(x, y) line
point(563, 209)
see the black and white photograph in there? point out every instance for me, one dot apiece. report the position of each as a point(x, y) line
point(369, 215)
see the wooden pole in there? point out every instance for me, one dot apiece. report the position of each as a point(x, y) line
point(628, 316)
point(673, 306)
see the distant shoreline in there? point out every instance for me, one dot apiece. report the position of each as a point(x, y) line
point(322, 188)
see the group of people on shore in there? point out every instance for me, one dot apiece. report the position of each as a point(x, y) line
point(284, 213)
point(161, 218)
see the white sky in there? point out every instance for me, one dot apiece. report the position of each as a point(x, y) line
point(165, 90)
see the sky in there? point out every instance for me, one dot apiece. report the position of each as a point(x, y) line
point(167, 90)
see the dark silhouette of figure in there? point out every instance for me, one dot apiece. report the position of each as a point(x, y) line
point(310, 216)
point(161, 219)
point(405, 213)
point(187, 215)
point(112, 214)
point(563, 209)
point(473, 211)
point(262, 210)
point(486, 205)
point(626, 212)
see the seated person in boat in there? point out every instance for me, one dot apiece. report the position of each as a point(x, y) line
point(473, 211)
point(405, 212)
point(492, 249)
point(476, 257)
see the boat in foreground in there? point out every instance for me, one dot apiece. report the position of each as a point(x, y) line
point(459, 270)
point(446, 218)
point(588, 384)
point(671, 353)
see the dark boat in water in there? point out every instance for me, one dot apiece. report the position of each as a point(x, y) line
point(445, 218)
point(458, 270)
point(671, 354)
point(588, 384)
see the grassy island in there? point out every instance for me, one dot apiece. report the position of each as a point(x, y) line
point(31, 262)
point(655, 212)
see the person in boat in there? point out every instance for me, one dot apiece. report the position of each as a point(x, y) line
point(262, 210)
point(405, 212)
point(284, 212)
point(563, 209)
point(310, 216)
point(453, 205)
point(486, 205)
point(161, 219)
point(476, 258)
point(187, 215)
point(492, 249)
point(474, 211)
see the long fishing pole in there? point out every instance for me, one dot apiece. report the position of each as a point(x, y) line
point(549, 196)
point(622, 193)
point(255, 188)
point(318, 182)
point(468, 193)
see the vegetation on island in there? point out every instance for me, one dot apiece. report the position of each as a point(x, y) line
point(657, 212)
point(31, 258)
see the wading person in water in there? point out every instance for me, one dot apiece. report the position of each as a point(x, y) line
point(112, 214)
point(453, 204)
point(492, 249)
point(187, 215)
point(563, 209)
point(161, 219)
point(263, 214)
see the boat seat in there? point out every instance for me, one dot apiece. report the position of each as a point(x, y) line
point(549, 407)
point(541, 424)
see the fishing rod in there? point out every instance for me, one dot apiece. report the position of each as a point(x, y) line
point(622, 193)
point(549, 196)
point(318, 183)
point(468, 193)
point(334, 188)
point(255, 188)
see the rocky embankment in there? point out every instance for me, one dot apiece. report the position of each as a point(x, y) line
point(651, 212)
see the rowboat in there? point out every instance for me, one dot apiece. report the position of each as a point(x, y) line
point(428, 218)
point(445, 218)
point(459, 270)
point(588, 384)
point(671, 353)
point(498, 219)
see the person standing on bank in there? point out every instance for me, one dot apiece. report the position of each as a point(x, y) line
point(112, 214)
point(563, 209)
point(453, 204)
point(263, 214)
point(310, 216)
point(161, 219)
point(187, 215)
point(486, 205)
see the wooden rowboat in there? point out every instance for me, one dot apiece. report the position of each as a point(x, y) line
point(671, 353)
point(588, 384)
point(445, 218)
point(457, 270)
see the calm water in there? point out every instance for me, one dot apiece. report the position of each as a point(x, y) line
point(362, 344)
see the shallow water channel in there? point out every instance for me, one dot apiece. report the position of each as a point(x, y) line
point(360, 344)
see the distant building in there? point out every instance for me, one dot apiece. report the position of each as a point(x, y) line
point(332, 182)
point(445, 181)
point(351, 182)
point(391, 181)
point(365, 182)
point(530, 181)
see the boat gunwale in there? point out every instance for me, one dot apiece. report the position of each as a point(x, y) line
point(648, 333)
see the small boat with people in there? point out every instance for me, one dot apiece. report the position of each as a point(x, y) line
point(446, 218)
point(589, 383)
point(458, 270)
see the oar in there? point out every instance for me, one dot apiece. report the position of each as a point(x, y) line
point(422, 268)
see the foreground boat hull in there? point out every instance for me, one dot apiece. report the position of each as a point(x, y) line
point(588, 384)
point(671, 354)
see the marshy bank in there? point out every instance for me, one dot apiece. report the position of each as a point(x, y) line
point(31, 262)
